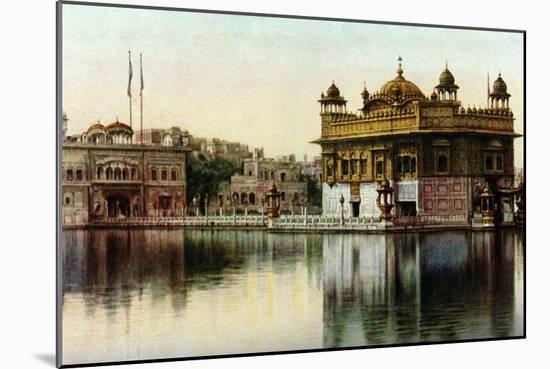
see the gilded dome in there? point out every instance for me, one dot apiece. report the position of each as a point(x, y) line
point(399, 85)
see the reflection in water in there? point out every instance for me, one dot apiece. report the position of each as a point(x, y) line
point(145, 294)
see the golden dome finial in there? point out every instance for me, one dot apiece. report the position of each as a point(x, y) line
point(399, 69)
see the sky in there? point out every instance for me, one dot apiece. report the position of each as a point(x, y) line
point(256, 80)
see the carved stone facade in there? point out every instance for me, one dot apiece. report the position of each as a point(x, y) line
point(430, 149)
point(103, 179)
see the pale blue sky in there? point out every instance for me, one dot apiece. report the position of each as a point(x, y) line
point(257, 80)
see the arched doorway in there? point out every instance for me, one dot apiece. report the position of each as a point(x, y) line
point(118, 206)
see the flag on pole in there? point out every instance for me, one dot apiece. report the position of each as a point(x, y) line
point(130, 75)
point(141, 74)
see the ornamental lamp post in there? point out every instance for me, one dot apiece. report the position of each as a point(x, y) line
point(342, 200)
point(384, 201)
point(263, 204)
point(488, 206)
point(206, 207)
point(196, 204)
point(305, 212)
point(273, 200)
point(220, 204)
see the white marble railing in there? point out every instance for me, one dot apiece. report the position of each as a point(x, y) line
point(323, 222)
point(237, 220)
point(284, 222)
point(431, 219)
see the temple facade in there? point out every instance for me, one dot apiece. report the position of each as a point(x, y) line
point(105, 176)
point(438, 156)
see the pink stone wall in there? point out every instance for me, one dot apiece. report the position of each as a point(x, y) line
point(444, 195)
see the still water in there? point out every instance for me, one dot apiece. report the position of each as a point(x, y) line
point(146, 294)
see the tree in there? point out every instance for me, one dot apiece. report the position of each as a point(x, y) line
point(314, 195)
point(205, 175)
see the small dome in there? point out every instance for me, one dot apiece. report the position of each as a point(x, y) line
point(95, 127)
point(446, 78)
point(365, 93)
point(333, 91)
point(118, 126)
point(499, 87)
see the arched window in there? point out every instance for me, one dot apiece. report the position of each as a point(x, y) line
point(489, 163)
point(363, 164)
point(379, 168)
point(68, 199)
point(500, 165)
point(252, 198)
point(244, 198)
point(442, 163)
point(99, 172)
point(330, 168)
point(345, 167)
point(283, 176)
point(133, 174)
point(174, 175)
point(153, 174)
point(118, 174)
point(125, 174)
point(109, 173)
point(79, 175)
point(272, 175)
point(164, 175)
point(69, 175)
point(406, 164)
point(235, 197)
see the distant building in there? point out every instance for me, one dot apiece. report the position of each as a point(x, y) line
point(105, 175)
point(248, 189)
point(437, 155)
point(314, 168)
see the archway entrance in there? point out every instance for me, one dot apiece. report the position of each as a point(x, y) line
point(165, 205)
point(355, 209)
point(118, 206)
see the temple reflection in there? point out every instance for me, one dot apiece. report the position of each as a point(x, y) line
point(412, 287)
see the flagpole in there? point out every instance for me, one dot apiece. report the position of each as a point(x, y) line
point(141, 99)
point(129, 92)
point(488, 90)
